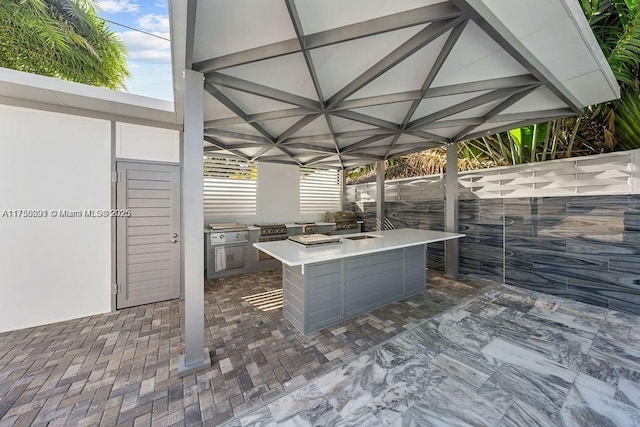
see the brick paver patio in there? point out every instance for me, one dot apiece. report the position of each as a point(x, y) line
point(121, 368)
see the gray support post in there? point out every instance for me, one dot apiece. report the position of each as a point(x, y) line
point(451, 209)
point(196, 356)
point(380, 216)
point(343, 189)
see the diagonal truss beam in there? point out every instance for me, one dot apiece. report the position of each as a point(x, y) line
point(464, 106)
point(213, 91)
point(496, 110)
point(423, 15)
point(432, 13)
point(482, 85)
point(364, 132)
point(369, 120)
point(260, 90)
point(514, 125)
point(377, 100)
point(297, 25)
point(311, 147)
point(490, 24)
point(437, 66)
point(296, 127)
point(433, 73)
point(362, 143)
point(222, 146)
point(238, 135)
point(456, 89)
point(535, 115)
point(412, 148)
point(269, 115)
point(408, 48)
point(429, 136)
point(315, 160)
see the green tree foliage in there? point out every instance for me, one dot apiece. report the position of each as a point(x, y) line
point(63, 39)
point(603, 127)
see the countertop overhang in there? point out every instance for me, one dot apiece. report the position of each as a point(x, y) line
point(293, 254)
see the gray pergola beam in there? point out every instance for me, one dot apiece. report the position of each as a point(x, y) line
point(435, 69)
point(431, 76)
point(259, 117)
point(315, 160)
point(482, 85)
point(237, 135)
point(368, 120)
point(222, 146)
point(429, 136)
point(312, 147)
point(364, 132)
point(514, 125)
point(272, 50)
point(264, 91)
point(427, 14)
point(408, 48)
point(297, 25)
point(497, 110)
point(452, 123)
point(296, 127)
point(464, 106)
point(423, 15)
point(434, 92)
point(490, 24)
point(412, 148)
point(367, 141)
point(535, 115)
point(224, 100)
point(372, 101)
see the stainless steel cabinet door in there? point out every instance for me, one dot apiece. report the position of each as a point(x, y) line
point(229, 257)
point(148, 241)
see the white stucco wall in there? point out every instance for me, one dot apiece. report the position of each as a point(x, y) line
point(147, 143)
point(53, 268)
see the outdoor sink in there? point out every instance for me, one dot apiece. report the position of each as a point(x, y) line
point(362, 237)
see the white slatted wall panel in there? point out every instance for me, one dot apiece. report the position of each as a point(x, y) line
point(319, 190)
point(229, 187)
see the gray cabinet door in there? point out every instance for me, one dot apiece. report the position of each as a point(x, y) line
point(148, 241)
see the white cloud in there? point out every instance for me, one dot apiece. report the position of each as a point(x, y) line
point(151, 22)
point(143, 47)
point(116, 6)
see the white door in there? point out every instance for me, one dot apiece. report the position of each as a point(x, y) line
point(148, 241)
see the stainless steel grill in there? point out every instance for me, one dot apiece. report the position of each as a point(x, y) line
point(270, 233)
point(344, 220)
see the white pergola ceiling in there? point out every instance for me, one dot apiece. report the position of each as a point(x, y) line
point(338, 83)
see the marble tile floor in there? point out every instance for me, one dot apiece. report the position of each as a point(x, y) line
point(507, 357)
point(121, 368)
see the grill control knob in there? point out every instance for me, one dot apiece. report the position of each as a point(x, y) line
point(238, 235)
point(222, 236)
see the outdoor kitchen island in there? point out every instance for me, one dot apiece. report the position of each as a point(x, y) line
point(325, 284)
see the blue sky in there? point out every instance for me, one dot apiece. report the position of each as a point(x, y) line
point(149, 58)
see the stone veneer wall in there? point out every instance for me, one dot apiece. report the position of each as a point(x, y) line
point(585, 248)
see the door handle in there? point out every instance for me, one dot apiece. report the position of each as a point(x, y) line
point(174, 240)
point(174, 235)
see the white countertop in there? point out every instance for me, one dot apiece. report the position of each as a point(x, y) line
point(293, 254)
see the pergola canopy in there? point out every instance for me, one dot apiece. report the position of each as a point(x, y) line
point(338, 83)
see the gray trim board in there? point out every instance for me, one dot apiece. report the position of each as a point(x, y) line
point(114, 205)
